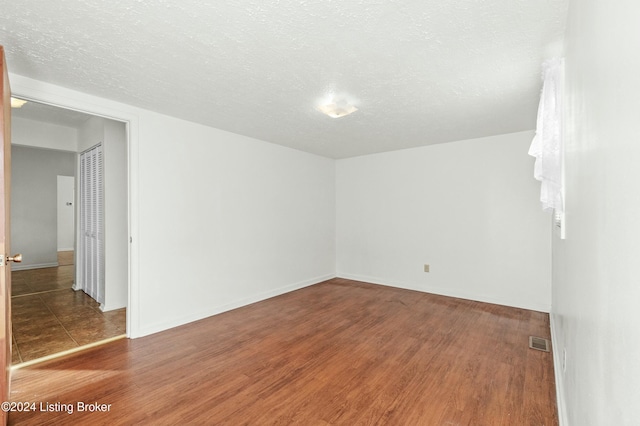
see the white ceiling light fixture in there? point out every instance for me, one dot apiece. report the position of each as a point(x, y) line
point(336, 106)
point(17, 103)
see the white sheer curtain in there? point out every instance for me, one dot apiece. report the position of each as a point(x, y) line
point(547, 144)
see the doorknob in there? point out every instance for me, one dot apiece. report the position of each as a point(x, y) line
point(17, 258)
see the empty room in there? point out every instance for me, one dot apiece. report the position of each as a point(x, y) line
point(402, 213)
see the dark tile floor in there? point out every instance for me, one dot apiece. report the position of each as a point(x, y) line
point(49, 317)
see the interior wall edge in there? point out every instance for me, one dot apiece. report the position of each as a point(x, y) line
point(17, 267)
point(559, 377)
point(215, 310)
point(476, 297)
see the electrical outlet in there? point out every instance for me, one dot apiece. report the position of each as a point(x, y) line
point(426, 267)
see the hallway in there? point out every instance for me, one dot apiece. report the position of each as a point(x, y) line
point(48, 316)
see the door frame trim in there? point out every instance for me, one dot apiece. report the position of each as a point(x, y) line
point(38, 91)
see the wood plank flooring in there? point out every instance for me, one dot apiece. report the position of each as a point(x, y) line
point(336, 353)
point(49, 317)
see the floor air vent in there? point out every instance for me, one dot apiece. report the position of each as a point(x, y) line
point(539, 343)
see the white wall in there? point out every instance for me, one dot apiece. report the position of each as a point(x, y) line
point(34, 223)
point(596, 277)
point(116, 215)
point(112, 135)
point(227, 220)
point(90, 133)
point(468, 208)
point(34, 187)
point(43, 135)
point(218, 220)
point(66, 205)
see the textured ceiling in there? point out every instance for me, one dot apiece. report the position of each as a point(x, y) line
point(420, 71)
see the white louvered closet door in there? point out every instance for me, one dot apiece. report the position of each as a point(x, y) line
point(91, 253)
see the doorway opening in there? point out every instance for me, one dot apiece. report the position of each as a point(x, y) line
point(52, 310)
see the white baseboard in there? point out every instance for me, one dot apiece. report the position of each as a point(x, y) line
point(22, 267)
point(104, 308)
point(559, 375)
point(66, 249)
point(214, 310)
point(448, 292)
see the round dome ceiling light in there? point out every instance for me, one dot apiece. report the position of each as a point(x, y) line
point(336, 106)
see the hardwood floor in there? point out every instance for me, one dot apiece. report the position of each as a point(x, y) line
point(49, 317)
point(336, 353)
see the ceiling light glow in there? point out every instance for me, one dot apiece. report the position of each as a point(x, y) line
point(336, 106)
point(17, 103)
